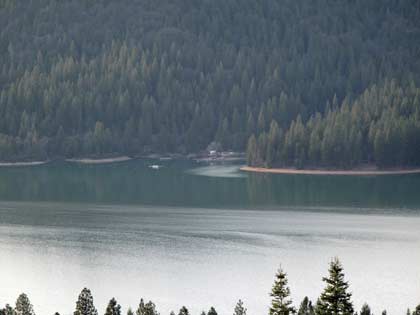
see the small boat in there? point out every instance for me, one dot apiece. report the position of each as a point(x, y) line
point(155, 166)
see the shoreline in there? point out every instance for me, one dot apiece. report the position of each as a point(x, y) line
point(111, 158)
point(325, 172)
point(100, 161)
point(32, 163)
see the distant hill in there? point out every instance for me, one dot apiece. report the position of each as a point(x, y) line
point(94, 77)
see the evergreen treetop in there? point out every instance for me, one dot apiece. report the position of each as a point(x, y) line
point(365, 310)
point(239, 308)
point(141, 310)
point(84, 304)
point(23, 306)
point(113, 308)
point(306, 307)
point(7, 310)
point(335, 299)
point(183, 311)
point(212, 311)
point(281, 304)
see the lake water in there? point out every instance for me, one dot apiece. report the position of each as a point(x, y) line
point(197, 235)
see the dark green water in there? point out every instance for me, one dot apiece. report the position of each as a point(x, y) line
point(187, 183)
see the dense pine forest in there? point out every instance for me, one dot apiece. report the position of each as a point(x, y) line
point(297, 83)
point(382, 126)
point(335, 299)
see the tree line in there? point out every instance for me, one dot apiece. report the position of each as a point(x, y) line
point(334, 300)
point(101, 77)
point(381, 127)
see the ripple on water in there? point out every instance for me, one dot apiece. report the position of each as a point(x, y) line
point(229, 171)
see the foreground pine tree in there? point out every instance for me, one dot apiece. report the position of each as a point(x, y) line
point(183, 311)
point(141, 310)
point(146, 309)
point(23, 305)
point(365, 310)
point(281, 302)
point(417, 310)
point(150, 308)
point(212, 311)
point(239, 309)
point(113, 308)
point(335, 300)
point(7, 310)
point(84, 304)
point(306, 307)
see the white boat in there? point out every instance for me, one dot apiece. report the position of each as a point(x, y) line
point(155, 166)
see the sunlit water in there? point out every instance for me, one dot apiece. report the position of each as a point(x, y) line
point(200, 235)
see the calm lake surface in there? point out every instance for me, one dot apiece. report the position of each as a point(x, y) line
point(198, 235)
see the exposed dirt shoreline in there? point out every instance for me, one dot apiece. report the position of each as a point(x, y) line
point(100, 161)
point(78, 160)
point(353, 172)
point(12, 164)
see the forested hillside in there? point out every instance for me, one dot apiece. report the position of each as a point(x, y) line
point(93, 77)
point(380, 127)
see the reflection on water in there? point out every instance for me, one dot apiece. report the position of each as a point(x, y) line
point(178, 184)
point(379, 191)
point(226, 171)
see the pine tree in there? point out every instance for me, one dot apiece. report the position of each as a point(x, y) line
point(212, 311)
point(130, 311)
point(7, 310)
point(141, 310)
point(335, 300)
point(273, 142)
point(252, 153)
point(417, 310)
point(113, 308)
point(281, 303)
point(183, 311)
point(146, 309)
point(365, 310)
point(239, 308)
point(23, 306)
point(306, 307)
point(150, 308)
point(84, 304)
